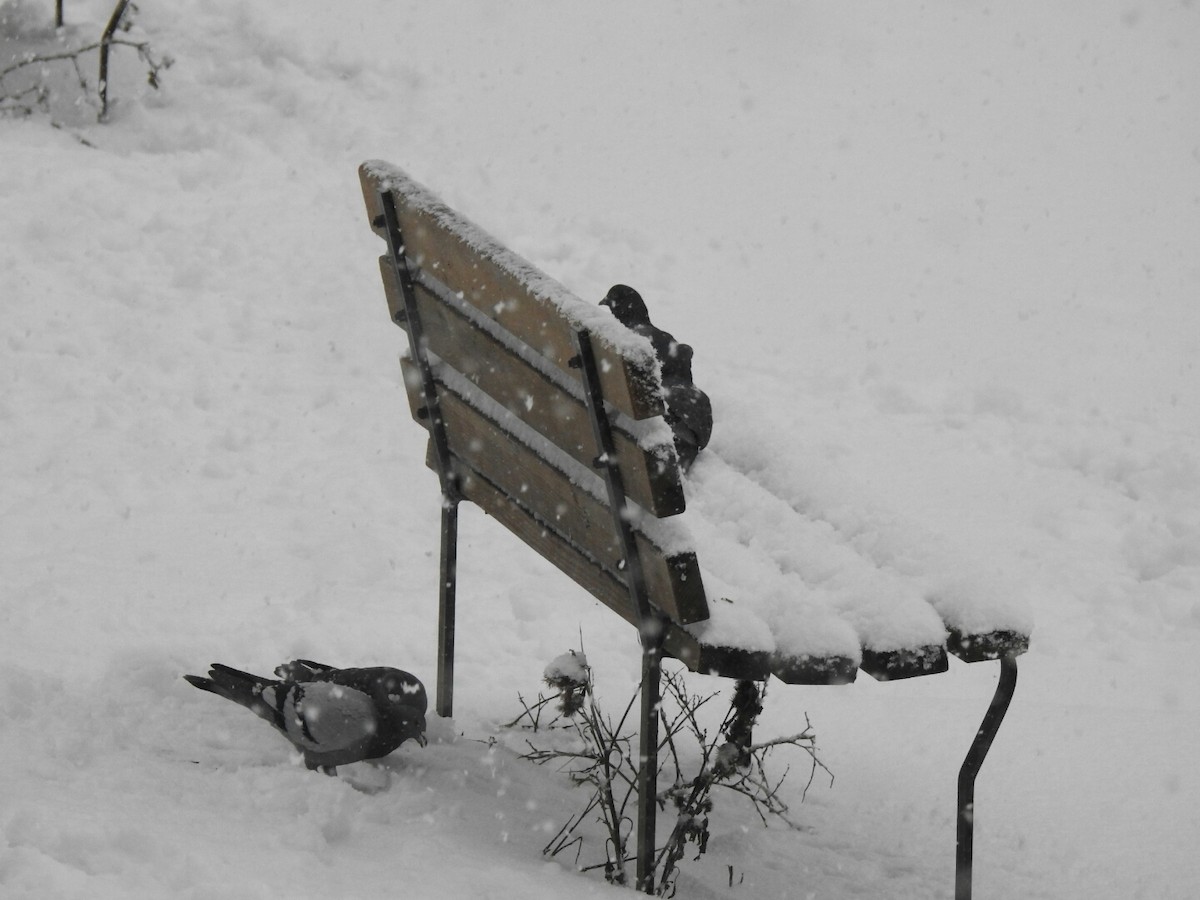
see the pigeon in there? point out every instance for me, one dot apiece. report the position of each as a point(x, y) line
point(689, 411)
point(334, 717)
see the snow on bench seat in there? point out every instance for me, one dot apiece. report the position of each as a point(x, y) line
point(794, 573)
point(985, 613)
point(749, 583)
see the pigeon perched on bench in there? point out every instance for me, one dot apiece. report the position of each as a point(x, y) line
point(689, 411)
point(334, 717)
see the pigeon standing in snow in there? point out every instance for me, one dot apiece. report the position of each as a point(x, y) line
point(689, 411)
point(333, 716)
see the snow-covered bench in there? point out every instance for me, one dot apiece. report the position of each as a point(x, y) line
point(547, 413)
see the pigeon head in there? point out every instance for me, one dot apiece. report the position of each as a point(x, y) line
point(416, 729)
point(402, 723)
point(627, 305)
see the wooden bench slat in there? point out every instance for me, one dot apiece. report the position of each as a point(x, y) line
point(567, 557)
point(552, 495)
point(894, 665)
point(712, 659)
point(813, 670)
point(601, 583)
point(546, 404)
point(504, 287)
point(981, 647)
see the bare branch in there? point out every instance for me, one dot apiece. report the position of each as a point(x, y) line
point(14, 100)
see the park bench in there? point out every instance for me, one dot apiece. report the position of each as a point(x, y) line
point(547, 413)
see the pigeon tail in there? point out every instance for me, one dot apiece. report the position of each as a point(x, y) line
point(243, 689)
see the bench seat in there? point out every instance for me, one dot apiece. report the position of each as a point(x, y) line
point(748, 585)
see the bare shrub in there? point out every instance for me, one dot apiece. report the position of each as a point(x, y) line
point(599, 752)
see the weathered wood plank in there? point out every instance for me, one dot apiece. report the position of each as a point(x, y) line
point(712, 659)
point(546, 404)
point(562, 503)
point(602, 583)
point(893, 665)
point(585, 571)
point(987, 646)
point(501, 285)
point(813, 670)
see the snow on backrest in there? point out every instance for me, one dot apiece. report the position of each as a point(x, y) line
point(500, 336)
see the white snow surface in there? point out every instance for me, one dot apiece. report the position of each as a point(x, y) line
point(939, 267)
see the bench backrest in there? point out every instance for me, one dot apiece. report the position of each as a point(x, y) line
point(500, 336)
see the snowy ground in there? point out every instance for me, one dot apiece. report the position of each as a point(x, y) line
point(944, 258)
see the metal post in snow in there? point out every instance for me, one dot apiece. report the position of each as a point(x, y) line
point(446, 600)
point(448, 567)
point(970, 768)
point(649, 625)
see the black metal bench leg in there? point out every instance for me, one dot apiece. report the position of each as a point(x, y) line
point(437, 428)
point(970, 768)
point(648, 768)
point(650, 626)
point(446, 597)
